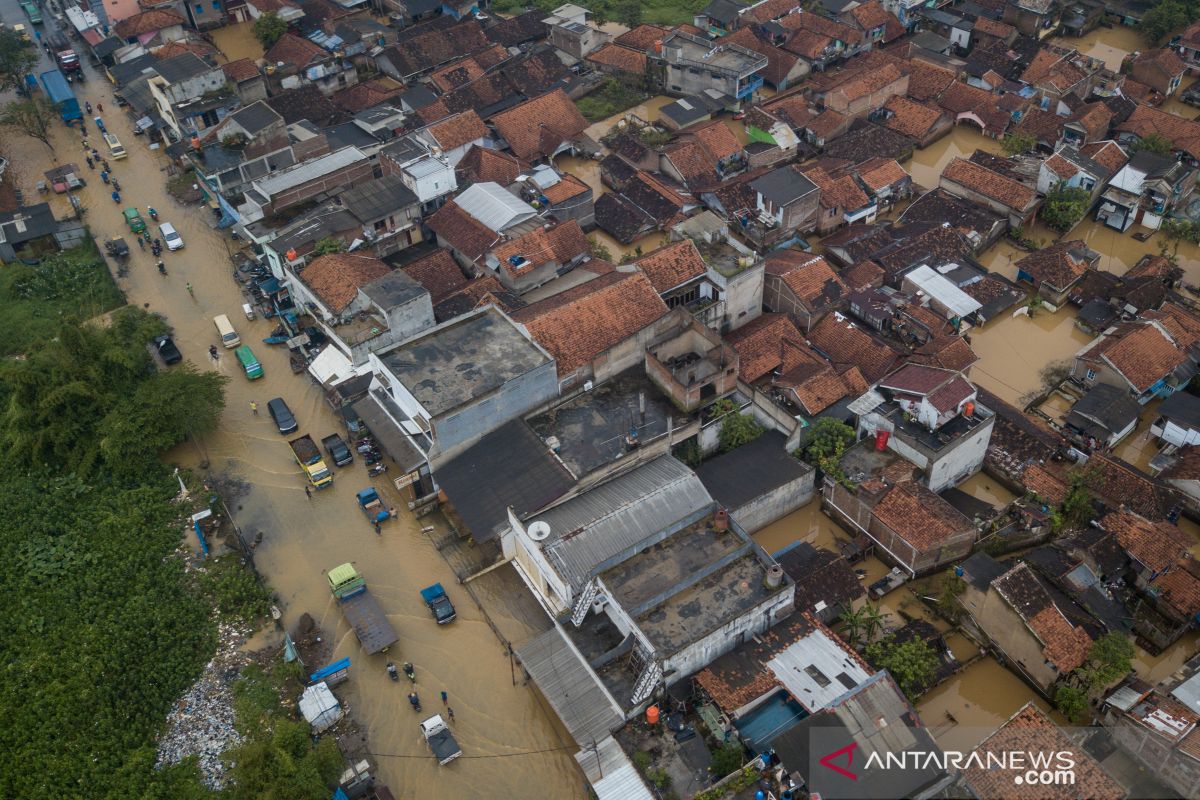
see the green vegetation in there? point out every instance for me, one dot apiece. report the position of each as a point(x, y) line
point(627, 12)
point(913, 664)
point(234, 590)
point(327, 245)
point(861, 625)
point(1071, 701)
point(824, 446)
point(1181, 230)
point(613, 97)
point(1152, 143)
point(599, 250)
point(277, 759)
point(952, 588)
point(653, 137)
point(268, 29)
point(35, 299)
point(736, 429)
point(1016, 143)
point(1065, 206)
point(33, 117)
point(1110, 658)
point(17, 59)
point(727, 759)
point(1164, 19)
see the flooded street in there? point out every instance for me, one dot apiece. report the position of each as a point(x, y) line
point(926, 165)
point(1110, 45)
point(505, 732)
point(237, 41)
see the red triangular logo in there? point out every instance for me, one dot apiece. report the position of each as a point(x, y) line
point(848, 752)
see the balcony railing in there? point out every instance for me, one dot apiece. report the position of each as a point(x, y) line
point(752, 85)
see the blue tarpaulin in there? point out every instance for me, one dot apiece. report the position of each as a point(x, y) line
point(336, 672)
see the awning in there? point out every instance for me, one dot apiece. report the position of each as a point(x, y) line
point(330, 366)
point(395, 441)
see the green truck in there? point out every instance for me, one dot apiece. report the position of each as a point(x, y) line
point(134, 220)
point(32, 12)
point(362, 611)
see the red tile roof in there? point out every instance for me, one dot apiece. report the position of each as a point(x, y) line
point(439, 273)
point(991, 27)
point(993, 185)
point(911, 118)
point(461, 231)
point(537, 127)
point(642, 37)
point(694, 163)
point(759, 344)
point(847, 345)
point(926, 81)
point(562, 244)
point(336, 278)
point(364, 95)
point(843, 192)
point(672, 265)
point(582, 323)
point(1145, 356)
point(1064, 645)
point(178, 48)
point(294, 51)
point(457, 130)
point(484, 164)
point(241, 70)
point(771, 9)
point(869, 15)
point(1184, 134)
point(947, 352)
point(147, 22)
point(1058, 265)
point(620, 58)
point(918, 516)
point(809, 277)
point(568, 187)
point(863, 274)
point(879, 173)
point(1107, 154)
point(1157, 545)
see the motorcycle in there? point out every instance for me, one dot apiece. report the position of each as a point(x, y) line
point(116, 196)
point(146, 235)
point(372, 458)
point(104, 175)
point(162, 269)
point(87, 106)
point(378, 469)
point(414, 701)
point(409, 672)
point(156, 249)
point(393, 673)
point(152, 212)
point(116, 184)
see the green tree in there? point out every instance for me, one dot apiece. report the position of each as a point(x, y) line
point(727, 760)
point(861, 625)
point(32, 117)
point(1077, 504)
point(599, 250)
point(825, 444)
point(1162, 19)
point(1018, 142)
point(1110, 658)
point(1065, 206)
point(736, 429)
point(327, 245)
point(627, 12)
point(17, 59)
point(268, 29)
point(1152, 143)
point(913, 664)
point(1071, 701)
point(952, 587)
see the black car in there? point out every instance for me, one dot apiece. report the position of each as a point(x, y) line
point(282, 415)
point(167, 350)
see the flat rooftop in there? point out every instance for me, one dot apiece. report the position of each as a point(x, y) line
point(943, 437)
point(592, 428)
point(658, 568)
point(463, 359)
point(715, 55)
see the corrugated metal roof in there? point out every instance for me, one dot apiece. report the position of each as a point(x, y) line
point(494, 206)
point(1188, 693)
point(942, 290)
point(610, 772)
point(574, 691)
point(819, 652)
point(310, 170)
point(617, 515)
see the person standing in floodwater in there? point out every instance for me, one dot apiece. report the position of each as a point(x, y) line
point(308, 492)
point(445, 699)
point(254, 408)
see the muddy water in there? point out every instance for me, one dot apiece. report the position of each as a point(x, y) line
point(237, 41)
point(1110, 45)
point(1155, 668)
point(499, 726)
point(647, 111)
point(1013, 350)
point(1140, 446)
point(982, 487)
point(926, 165)
point(980, 698)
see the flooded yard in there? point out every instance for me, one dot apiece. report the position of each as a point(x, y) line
point(926, 165)
point(1013, 351)
point(1110, 45)
point(237, 41)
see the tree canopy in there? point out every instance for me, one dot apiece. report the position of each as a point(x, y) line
point(1065, 206)
point(1165, 18)
point(1017, 142)
point(17, 58)
point(269, 29)
point(1152, 143)
point(913, 664)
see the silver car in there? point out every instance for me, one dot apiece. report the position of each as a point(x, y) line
point(171, 237)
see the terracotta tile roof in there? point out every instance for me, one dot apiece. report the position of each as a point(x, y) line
point(336, 278)
point(991, 27)
point(806, 44)
point(759, 344)
point(1045, 484)
point(294, 51)
point(484, 164)
point(456, 74)
point(926, 81)
point(672, 265)
point(862, 274)
point(879, 173)
point(824, 26)
point(642, 37)
point(1031, 731)
point(241, 70)
point(809, 277)
point(694, 163)
point(960, 97)
point(202, 49)
point(1157, 545)
point(947, 352)
point(1107, 154)
point(1045, 125)
point(1119, 483)
point(1179, 588)
point(147, 22)
point(920, 517)
point(910, 117)
point(1064, 645)
point(780, 62)
point(461, 231)
point(717, 138)
point(304, 102)
point(562, 244)
point(1184, 134)
point(771, 9)
point(568, 187)
point(1094, 118)
point(582, 323)
point(1057, 265)
point(1061, 167)
point(537, 127)
point(362, 96)
point(1144, 356)
point(620, 58)
point(869, 15)
point(434, 47)
point(654, 197)
point(827, 124)
point(993, 185)
point(843, 192)
point(869, 81)
point(846, 345)
point(457, 130)
point(1181, 324)
point(439, 273)
point(1162, 60)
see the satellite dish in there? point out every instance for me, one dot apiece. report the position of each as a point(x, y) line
point(539, 531)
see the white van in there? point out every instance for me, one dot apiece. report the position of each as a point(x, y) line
point(115, 148)
point(229, 336)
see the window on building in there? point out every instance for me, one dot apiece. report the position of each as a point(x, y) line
point(1091, 374)
point(684, 298)
point(817, 675)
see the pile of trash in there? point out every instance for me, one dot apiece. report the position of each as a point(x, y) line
point(202, 723)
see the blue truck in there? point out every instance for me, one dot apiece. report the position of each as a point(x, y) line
point(372, 506)
point(439, 604)
point(58, 91)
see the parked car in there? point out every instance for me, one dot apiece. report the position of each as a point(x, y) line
point(167, 350)
point(170, 236)
point(282, 415)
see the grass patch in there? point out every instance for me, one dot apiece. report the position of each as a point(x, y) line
point(611, 98)
point(35, 299)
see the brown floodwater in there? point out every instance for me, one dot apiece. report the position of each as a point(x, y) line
point(983, 487)
point(1110, 45)
point(926, 165)
point(646, 110)
point(1013, 350)
point(237, 41)
point(505, 732)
